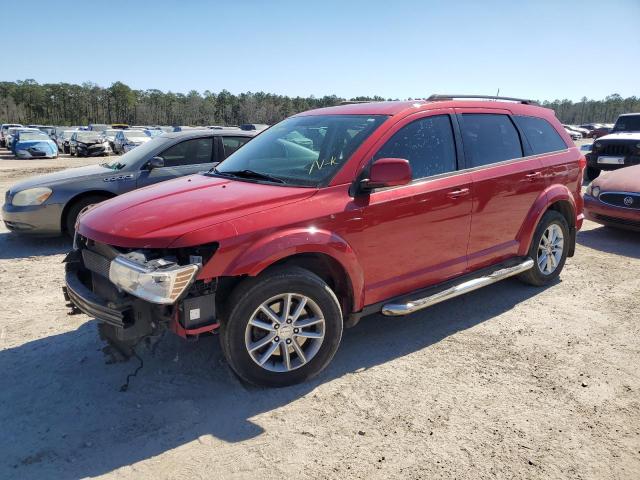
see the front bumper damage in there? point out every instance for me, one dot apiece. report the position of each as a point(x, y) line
point(88, 290)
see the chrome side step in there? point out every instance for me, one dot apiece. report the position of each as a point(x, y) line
point(398, 309)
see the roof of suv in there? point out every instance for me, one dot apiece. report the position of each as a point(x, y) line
point(211, 133)
point(395, 108)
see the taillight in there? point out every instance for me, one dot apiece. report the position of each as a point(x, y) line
point(582, 162)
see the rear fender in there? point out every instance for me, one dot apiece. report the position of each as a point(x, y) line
point(548, 197)
point(279, 245)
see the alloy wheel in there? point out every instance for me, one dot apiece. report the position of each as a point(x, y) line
point(550, 249)
point(285, 332)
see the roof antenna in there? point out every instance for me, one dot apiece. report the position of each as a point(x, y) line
point(498, 92)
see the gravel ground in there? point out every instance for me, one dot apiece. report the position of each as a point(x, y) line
point(508, 382)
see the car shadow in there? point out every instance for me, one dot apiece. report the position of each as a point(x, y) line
point(611, 240)
point(13, 246)
point(63, 415)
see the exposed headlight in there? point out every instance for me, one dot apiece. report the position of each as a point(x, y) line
point(159, 281)
point(32, 196)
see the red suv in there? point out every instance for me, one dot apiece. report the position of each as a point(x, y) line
point(328, 216)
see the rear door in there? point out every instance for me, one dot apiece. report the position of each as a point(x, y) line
point(229, 144)
point(506, 183)
point(184, 158)
point(416, 235)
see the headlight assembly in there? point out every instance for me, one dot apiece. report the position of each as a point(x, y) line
point(158, 281)
point(31, 196)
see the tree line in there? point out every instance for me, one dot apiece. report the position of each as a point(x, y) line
point(27, 101)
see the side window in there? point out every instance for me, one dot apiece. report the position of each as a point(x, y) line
point(231, 144)
point(542, 136)
point(427, 143)
point(489, 138)
point(189, 152)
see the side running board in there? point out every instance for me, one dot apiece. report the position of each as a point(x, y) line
point(398, 309)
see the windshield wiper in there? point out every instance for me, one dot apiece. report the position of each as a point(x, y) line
point(246, 173)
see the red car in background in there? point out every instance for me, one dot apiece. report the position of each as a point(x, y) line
point(326, 217)
point(613, 199)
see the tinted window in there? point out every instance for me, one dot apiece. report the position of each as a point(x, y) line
point(489, 138)
point(428, 145)
point(231, 144)
point(189, 152)
point(542, 136)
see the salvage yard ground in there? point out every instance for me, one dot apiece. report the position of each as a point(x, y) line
point(507, 382)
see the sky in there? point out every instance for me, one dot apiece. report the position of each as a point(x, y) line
point(394, 48)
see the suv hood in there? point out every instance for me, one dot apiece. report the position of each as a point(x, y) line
point(61, 176)
point(620, 136)
point(155, 216)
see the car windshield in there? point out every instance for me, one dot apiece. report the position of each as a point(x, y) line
point(135, 134)
point(630, 123)
point(138, 154)
point(25, 136)
point(303, 151)
point(89, 136)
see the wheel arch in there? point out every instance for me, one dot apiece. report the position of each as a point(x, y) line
point(558, 198)
point(324, 253)
point(75, 199)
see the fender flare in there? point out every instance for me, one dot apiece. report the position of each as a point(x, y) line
point(548, 197)
point(280, 245)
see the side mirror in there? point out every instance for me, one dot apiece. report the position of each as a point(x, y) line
point(155, 162)
point(388, 172)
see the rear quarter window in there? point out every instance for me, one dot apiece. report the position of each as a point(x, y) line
point(542, 137)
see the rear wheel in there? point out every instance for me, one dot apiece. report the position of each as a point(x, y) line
point(76, 208)
point(282, 328)
point(549, 248)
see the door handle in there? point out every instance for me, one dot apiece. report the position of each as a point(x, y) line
point(533, 176)
point(458, 193)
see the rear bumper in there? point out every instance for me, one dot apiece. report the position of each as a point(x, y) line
point(604, 214)
point(34, 220)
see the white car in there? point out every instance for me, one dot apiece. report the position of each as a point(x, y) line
point(126, 140)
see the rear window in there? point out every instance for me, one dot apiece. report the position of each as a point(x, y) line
point(489, 138)
point(541, 135)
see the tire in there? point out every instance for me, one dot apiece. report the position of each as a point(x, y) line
point(71, 152)
point(75, 209)
point(272, 289)
point(592, 173)
point(541, 274)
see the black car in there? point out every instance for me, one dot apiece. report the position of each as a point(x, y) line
point(620, 148)
point(85, 143)
point(49, 204)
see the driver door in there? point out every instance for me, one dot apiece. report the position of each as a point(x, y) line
point(184, 158)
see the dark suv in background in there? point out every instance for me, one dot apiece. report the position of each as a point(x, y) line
point(620, 148)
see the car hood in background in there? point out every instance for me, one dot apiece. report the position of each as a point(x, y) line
point(61, 176)
point(621, 180)
point(156, 216)
point(621, 136)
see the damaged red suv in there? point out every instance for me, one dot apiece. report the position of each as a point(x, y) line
point(329, 216)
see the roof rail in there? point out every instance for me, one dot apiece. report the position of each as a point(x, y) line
point(353, 102)
point(439, 97)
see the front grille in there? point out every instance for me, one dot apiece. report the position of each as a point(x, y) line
point(96, 263)
point(618, 221)
point(617, 149)
point(621, 199)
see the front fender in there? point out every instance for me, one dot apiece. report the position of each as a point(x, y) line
point(279, 245)
point(549, 196)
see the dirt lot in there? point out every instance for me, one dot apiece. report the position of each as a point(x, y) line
point(507, 382)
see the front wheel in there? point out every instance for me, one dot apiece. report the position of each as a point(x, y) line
point(282, 327)
point(549, 248)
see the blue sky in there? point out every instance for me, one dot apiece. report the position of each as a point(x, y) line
point(394, 48)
